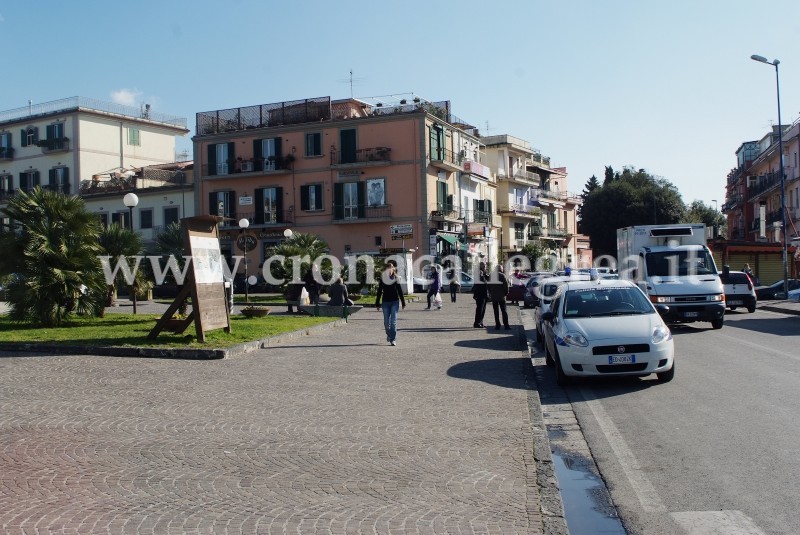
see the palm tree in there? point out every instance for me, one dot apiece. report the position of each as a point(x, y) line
point(118, 241)
point(51, 253)
point(169, 242)
point(300, 244)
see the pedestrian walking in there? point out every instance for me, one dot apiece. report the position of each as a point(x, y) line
point(390, 290)
point(435, 287)
point(455, 284)
point(498, 290)
point(480, 295)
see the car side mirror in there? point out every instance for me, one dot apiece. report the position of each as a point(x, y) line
point(548, 317)
point(662, 310)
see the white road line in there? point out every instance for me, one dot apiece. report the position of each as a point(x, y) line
point(716, 523)
point(645, 492)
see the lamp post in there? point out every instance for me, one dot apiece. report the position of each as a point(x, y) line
point(131, 200)
point(243, 224)
point(775, 64)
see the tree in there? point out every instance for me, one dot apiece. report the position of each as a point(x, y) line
point(533, 251)
point(591, 185)
point(117, 242)
point(699, 212)
point(51, 254)
point(608, 175)
point(169, 243)
point(300, 244)
point(633, 198)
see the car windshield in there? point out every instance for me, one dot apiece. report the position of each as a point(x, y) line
point(735, 278)
point(605, 301)
point(678, 263)
point(548, 290)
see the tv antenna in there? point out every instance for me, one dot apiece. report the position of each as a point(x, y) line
point(352, 81)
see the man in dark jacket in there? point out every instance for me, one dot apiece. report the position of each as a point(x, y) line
point(498, 290)
point(480, 294)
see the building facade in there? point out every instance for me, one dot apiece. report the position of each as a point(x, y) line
point(534, 204)
point(753, 205)
point(370, 178)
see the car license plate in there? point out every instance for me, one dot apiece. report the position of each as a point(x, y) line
point(735, 302)
point(690, 314)
point(622, 359)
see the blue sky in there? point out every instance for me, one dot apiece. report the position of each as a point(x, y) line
point(665, 86)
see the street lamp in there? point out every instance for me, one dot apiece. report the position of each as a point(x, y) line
point(775, 64)
point(131, 200)
point(288, 234)
point(243, 224)
point(715, 205)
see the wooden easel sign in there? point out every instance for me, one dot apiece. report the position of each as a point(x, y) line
point(205, 283)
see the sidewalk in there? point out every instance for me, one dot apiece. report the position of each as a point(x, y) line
point(335, 432)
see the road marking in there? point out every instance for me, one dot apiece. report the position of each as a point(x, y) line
point(645, 492)
point(716, 523)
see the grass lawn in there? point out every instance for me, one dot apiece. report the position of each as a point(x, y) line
point(132, 330)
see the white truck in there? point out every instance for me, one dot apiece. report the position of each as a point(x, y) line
point(673, 266)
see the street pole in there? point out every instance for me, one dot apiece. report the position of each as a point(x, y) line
point(775, 64)
point(243, 224)
point(131, 200)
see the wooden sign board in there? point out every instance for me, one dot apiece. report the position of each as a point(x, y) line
point(205, 282)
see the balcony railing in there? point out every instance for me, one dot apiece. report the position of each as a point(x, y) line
point(765, 183)
point(6, 153)
point(441, 211)
point(775, 215)
point(737, 233)
point(446, 156)
point(6, 194)
point(477, 216)
point(527, 177)
point(355, 213)
point(521, 209)
point(374, 155)
point(54, 145)
point(555, 232)
point(59, 188)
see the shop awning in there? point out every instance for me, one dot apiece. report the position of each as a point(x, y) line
point(452, 240)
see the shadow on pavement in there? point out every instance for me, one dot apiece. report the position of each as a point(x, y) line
point(783, 326)
point(507, 373)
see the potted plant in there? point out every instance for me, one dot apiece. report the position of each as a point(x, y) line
point(255, 311)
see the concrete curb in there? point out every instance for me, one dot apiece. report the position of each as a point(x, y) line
point(552, 507)
point(780, 309)
point(171, 352)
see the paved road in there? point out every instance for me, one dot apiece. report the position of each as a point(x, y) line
point(715, 450)
point(337, 433)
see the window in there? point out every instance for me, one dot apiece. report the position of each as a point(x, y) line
point(5, 145)
point(444, 201)
point(311, 197)
point(134, 137)
point(220, 155)
point(314, 144)
point(533, 230)
point(121, 218)
point(30, 136)
point(221, 203)
point(59, 179)
point(437, 142)
point(267, 154)
point(171, 215)
point(103, 219)
point(269, 206)
point(55, 131)
point(350, 200)
point(146, 218)
point(6, 183)
point(28, 180)
point(519, 231)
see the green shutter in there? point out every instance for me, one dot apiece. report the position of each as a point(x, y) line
point(279, 205)
point(23, 181)
point(278, 151)
point(259, 220)
point(51, 132)
point(304, 202)
point(338, 201)
point(258, 155)
point(52, 177)
point(231, 156)
point(231, 200)
point(212, 163)
point(212, 204)
point(362, 199)
point(24, 137)
point(35, 134)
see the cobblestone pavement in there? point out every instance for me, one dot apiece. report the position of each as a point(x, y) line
point(335, 433)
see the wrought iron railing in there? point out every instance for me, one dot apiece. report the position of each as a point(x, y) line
point(477, 216)
point(6, 194)
point(54, 145)
point(775, 215)
point(59, 188)
point(343, 212)
point(6, 153)
point(520, 208)
point(446, 210)
point(264, 115)
point(370, 155)
point(446, 155)
point(765, 183)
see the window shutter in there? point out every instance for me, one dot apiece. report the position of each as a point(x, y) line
point(23, 181)
point(317, 144)
point(338, 201)
point(50, 131)
point(488, 205)
point(65, 187)
point(231, 199)
point(212, 204)
point(35, 134)
point(259, 205)
point(24, 137)
point(36, 180)
point(212, 164)
point(278, 151)
point(304, 204)
point(231, 154)
point(279, 205)
point(362, 197)
point(449, 205)
point(317, 197)
point(52, 178)
point(258, 155)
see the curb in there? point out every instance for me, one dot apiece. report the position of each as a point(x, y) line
point(172, 352)
point(552, 507)
point(780, 309)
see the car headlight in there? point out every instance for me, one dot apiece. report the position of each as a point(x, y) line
point(576, 339)
point(660, 299)
point(661, 334)
point(717, 297)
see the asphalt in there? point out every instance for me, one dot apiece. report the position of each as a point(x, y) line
point(333, 431)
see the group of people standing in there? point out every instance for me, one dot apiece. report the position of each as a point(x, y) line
point(492, 288)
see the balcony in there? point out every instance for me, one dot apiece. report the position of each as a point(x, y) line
point(6, 194)
point(524, 177)
point(58, 188)
point(775, 216)
point(54, 145)
point(271, 165)
point(6, 153)
point(555, 232)
point(764, 184)
point(361, 157)
point(445, 212)
point(524, 210)
point(737, 233)
point(446, 159)
point(477, 216)
point(345, 213)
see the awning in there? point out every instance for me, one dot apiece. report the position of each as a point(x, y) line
point(452, 240)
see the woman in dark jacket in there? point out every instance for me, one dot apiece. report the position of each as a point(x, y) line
point(390, 290)
point(337, 293)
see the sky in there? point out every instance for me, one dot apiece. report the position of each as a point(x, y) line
point(668, 87)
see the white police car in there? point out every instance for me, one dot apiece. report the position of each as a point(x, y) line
point(606, 327)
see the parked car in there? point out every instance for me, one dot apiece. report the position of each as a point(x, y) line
point(532, 293)
point(547, 289)
point(739, 290)
point(466, 284)
point(775, 290)
point(794, 295)
point(604, 328)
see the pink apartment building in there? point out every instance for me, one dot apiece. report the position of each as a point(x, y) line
point(353, 173)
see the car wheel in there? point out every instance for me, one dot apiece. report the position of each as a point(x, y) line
point(667, 376)
point(751, 309)
point(731, 308)
point(561, 377)
point(717, 324)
